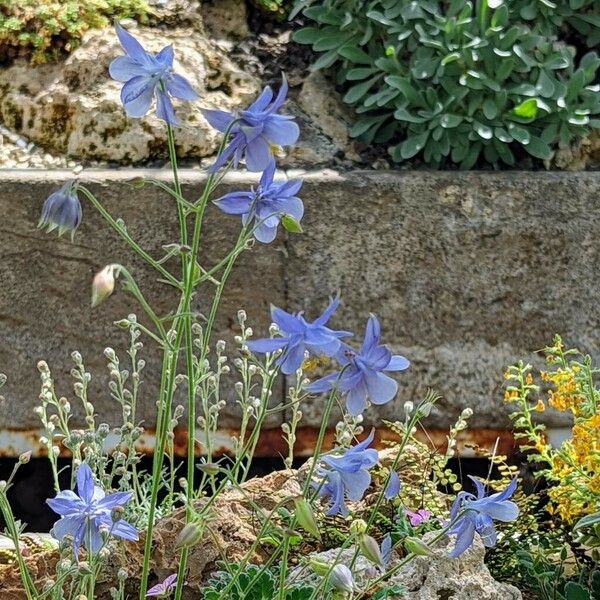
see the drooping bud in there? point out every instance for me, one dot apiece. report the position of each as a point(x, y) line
point(341, 579)
point(358, 526)
point(189, 536)
point(210, 468)
point(103, 284)
point(306, 517)
point(320, 567)
point(25, 457)
point(417, 546)
point(369, 548)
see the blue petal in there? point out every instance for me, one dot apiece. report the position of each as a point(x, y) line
point(258, 154)
point(67, 526)
point(285, 321)
point(267, 344)
point(136, 96)
point(281, 95)
point(85, 483)
point(179, 87)
point(124, 68)
point(264, 233)
point(131, 46)
point(291, 187)
point(357, 399)
point(219, 119)
point(501, 511)
point(281, 131)
point(386, 549)
point(235, 203)
point(164, 108)
point(165, 56)
point(398, 363)
point(292, 359)
point(380, 387)
point(322, 385)
point(328, 312)
point(268, 174)
point(372, 334)
point(66, 503)
point(124, 530)
point(111, 501)
point(465, 535)
point(356, 484)
point(261, 103)
point(392, 489)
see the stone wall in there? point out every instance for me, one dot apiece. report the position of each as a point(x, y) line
point(467, 272)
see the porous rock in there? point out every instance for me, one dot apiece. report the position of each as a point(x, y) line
point(233, 523)
point(462, 578)
point(74, 107)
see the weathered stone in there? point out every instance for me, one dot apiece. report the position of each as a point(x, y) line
point(45, 289)
point(230, 532)
point(468, 272)
point(462, 578)
point(74, 107)
point(580, 155)
point(425, 577)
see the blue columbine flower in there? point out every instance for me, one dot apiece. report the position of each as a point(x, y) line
point(89, 512)
point(479, 515)
point(257, 130)
point(265, 205)
point(62, 210)
point(362, 377)
point(346, 476)
point(300, 336)
point(147, 76)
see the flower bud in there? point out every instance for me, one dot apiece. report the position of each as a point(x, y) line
point(358, 526)
point(103, 284)
point(25, 457)
point(306, 517)
point(320, 567)
point(341, 579)
point(209, 468)
point(189, 536)
point(417, 546)
point(370, 549)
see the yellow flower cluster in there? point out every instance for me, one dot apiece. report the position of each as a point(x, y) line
point(573, 469)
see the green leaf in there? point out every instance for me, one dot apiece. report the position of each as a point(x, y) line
point(356, 92)
point(482, 130)
point(574, 591)
point(413, 145)
point(587, 521)
point(360, 73)
point(520, 134)
point(356, 55)
point(325, 60)
point(538, 148)
point(290, 224)
point(490, 109)
point(307, 35)
point(449, 121)
point(527, 109)
point(545, 85)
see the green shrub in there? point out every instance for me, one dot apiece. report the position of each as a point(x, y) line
point(44, 29)
point(277, 7)
point(453, 81)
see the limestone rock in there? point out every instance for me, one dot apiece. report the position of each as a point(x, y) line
point(583, 154)
point(231, 530)
point(73, 107)
point(462, 578)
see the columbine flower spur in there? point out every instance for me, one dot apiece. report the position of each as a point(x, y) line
point(87, 514)
point(479, 515)
point(62, 210)
point(256, 130)
point(362, 376)
point(147, 76)
point(266, 205)
point(346, 476)
point(299, 336)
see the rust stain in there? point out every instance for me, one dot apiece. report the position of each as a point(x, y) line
point(13, 442)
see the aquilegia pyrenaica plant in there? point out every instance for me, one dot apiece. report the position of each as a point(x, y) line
point(111, 501)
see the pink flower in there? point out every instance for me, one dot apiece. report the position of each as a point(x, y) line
point(417, 518)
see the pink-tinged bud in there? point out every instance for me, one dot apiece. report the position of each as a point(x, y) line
point(25, 457)
point(306, 517)
point(341, 579)
point(103, 284)
point(369, 548)
point(417, 546)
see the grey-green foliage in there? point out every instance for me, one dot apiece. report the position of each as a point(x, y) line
point(451, 81)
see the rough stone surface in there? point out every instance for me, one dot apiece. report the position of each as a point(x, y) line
point(468, 272)
point(463, 578)
point(45, 290)
point(231, 530)
point(73, 107)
